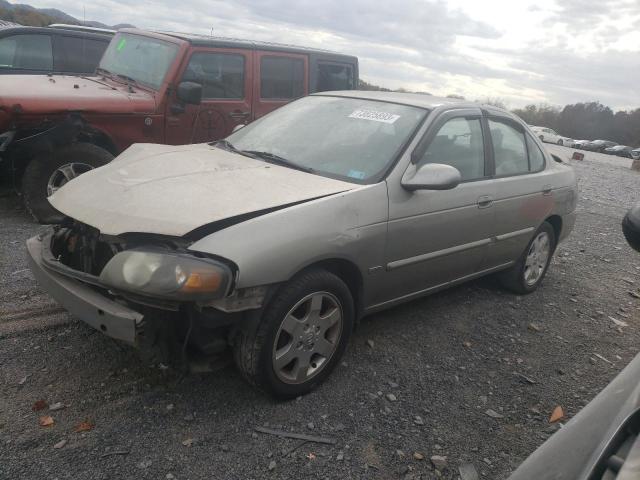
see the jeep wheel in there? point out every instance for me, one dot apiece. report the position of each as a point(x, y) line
point(301, 336)
point(47, 173)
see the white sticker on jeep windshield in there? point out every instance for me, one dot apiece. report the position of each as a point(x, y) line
point(375, 116)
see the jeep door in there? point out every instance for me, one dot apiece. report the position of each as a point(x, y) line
point(280, 78)
point(436, 237)
point(227, 92)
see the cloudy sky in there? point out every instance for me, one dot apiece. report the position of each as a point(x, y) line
point(521, 51)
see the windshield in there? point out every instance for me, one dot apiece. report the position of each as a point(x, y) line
point(351, 139)
point(142, 59)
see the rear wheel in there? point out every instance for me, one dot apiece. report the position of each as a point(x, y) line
point(301, 336)
point(527, 274)
point(47, 173)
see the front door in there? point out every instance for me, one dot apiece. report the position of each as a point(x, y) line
point(227, 93)
point(436, 237)
point(280, 78)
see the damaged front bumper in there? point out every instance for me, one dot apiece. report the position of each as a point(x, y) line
point(80, 299)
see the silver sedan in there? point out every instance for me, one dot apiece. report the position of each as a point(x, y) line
point(278, 239)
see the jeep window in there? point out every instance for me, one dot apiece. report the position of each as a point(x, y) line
point(144, 59)
point(281, 77)
point(351, 139)
point(77, 54)
point(221, 75)
point(27, 52)
point(334, 76)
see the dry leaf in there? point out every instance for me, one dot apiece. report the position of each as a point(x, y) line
point(46, 421)
point(39, 405)
point(467, 344)
point(188, 442)
point(557, 415)
point(311, 456)
point(84, 426)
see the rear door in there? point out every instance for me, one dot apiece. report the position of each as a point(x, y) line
point(227, 91)
point(524, 189)
point(280, 78)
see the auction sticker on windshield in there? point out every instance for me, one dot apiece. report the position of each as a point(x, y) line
point(375, 116)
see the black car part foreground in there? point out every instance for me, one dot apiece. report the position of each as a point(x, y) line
point(602, 442)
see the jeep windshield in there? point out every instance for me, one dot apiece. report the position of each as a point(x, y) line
point(347, 138)
point(138, 59)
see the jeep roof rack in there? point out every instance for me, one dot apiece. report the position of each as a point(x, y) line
point(81, 28)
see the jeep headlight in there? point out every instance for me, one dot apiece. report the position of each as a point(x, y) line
point(167, 275)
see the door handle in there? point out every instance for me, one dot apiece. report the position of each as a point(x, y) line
point(239, 115)
point(546, 190)
point(485, 201)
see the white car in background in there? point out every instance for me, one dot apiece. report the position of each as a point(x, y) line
point(551, 136)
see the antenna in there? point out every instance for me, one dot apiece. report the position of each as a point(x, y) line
point(212, 31)
point(84, 16)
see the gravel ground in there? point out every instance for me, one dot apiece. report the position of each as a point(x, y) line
point(417, 380)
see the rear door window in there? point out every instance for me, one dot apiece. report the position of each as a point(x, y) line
point(221, 75)
point(334, 76)
point(26, 52)
point(77, 54)
point(281, 77)
point(510, 151)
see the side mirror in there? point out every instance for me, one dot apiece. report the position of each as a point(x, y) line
point(189, 93)
point(432, 176)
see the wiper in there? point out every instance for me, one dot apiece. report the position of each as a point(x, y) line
point(273, 158)
point(228, 146)
point(103, 71)
point(127, 79)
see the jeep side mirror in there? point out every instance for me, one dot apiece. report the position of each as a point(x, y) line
point(189, 93)
point(431, 176)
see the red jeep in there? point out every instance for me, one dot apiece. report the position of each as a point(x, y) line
point(153, 88)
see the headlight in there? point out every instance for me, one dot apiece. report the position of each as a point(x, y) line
point(167, 275)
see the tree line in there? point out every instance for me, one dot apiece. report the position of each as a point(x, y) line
point(586, 121)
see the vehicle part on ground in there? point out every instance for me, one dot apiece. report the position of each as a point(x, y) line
point(527, 274)
point(46, 173)
point(631, 227)
point(300, 337)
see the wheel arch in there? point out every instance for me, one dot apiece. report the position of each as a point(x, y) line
point(348, 272)
point(556, 222)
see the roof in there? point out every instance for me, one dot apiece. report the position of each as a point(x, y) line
point(211, 41)
point(78, 32)
point(411, 99)
point(81, 28)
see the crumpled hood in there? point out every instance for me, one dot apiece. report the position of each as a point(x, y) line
point(48, 94)
point(173, 190)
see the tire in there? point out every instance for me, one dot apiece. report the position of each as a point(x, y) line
point(541, 137)
point(256, 347)
point(515, 279)
point(560, 142)
point(45, 168)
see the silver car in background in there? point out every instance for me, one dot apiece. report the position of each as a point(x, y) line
point(277, 240)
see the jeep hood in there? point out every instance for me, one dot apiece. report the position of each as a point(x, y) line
point(50, 94)
point(173, 190)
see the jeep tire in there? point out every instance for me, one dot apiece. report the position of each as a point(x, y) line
point(55, 169)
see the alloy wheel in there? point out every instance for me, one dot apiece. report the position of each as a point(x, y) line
point(307, 338)
point(64, 174)
point(537, 258)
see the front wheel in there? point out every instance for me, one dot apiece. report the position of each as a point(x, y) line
point(300, 337)
point(527, 274)
point(47, 173)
